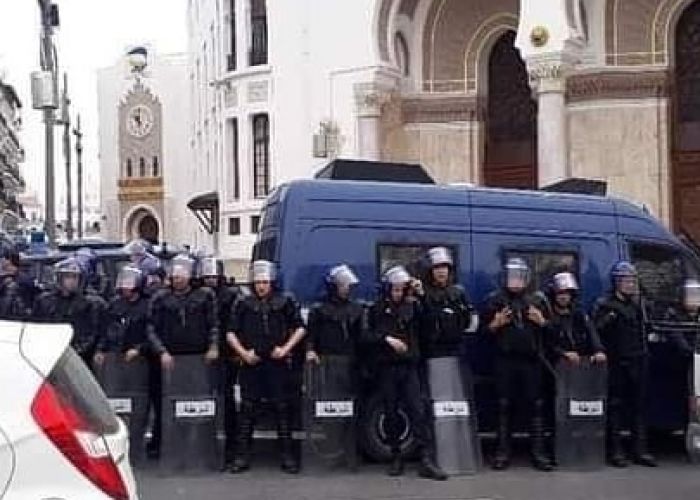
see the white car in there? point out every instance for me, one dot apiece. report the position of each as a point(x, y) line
point(59, 438)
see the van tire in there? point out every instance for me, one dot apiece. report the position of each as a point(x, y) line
point(372, 436)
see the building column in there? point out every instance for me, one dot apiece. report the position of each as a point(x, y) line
point(369, 99)
point(548, 80)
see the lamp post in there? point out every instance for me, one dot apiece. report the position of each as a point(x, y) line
point(47, 81)
point(65, 121)
point(79, 159)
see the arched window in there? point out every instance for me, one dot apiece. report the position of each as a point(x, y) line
point(156, 169)
point(129, 168)
point(258, 33)
point(142, 167)
point(261, 155)
point(402, 54)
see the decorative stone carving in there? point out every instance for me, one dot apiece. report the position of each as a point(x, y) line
point(442, 109)
point(370, 97)
point(617, 85)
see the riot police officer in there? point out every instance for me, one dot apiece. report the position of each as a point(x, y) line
point(154, 274)
point(689, 314)
point(24, 284)
point(516, 319)
point(264, 331)
point(395, 334)
point(571, 335)
point(95, 289)
point(335, 332)
point(67, 303)
point(335, 326)
point(183, 319)
point(619, 319)
point(211, 274)
point(12, 305)
point(446, 310)
point(127, 313)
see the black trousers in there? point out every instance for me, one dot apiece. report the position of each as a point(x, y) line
point(155, 401)
point(519, 382)
point(628, 381)
point(229, 376)
point(400, 386)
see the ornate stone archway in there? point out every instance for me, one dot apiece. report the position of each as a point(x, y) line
point(142, 222)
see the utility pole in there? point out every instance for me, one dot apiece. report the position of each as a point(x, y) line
point(79, 159)
point(49, 19)
point(65, 121)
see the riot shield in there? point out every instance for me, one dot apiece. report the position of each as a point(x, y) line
point(126, 387)
point(457, 446)
point(330, 413)
point(191, 409)
point(581, 407)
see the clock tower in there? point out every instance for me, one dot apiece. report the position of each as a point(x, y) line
point(140, 180)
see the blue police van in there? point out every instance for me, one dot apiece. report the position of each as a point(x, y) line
point(310, 225)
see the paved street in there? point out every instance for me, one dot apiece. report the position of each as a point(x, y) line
point(674, 480)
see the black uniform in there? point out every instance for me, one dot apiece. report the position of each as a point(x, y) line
point(262, 325)
point(620, 323)
point(75, 309)
point(398, 376)
point(573, 331)
point(226, 297)
point(128, 326)
point(12, 306)
point(184, 323)
point(445, 314)
point(335, 327)
point(518, 370)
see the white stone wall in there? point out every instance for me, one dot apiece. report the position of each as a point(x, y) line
point(317, 52)
point(626, 143)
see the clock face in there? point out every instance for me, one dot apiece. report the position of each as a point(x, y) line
point(139, 121)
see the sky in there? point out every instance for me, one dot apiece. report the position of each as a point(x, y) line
point(93, 34)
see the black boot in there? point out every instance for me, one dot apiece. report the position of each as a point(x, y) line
point(244, 435)
point(288, 460)
point(641, 454)
point(429, 469)
point(396, 465)
point(539, 458)
point(501, 459)
point(616, 452)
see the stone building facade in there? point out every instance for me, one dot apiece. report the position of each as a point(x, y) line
point(507, 93)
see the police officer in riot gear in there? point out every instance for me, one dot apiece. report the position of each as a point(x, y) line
point(395, 334)
point(25, 285)
point(12, 304)
point(446, 310)
point(689, 314)
point(127, 331)
point(335, 331)
point(619, 319)
point(183, 319)
point(67, 303)
point(335, 326)
point(211, 274)
point(517, 319)
point(265, 329)
point(96, 290)
point(571, 335)
point(154, 274)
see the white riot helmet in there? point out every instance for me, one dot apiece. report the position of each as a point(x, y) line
point(564, 282)
point(181, 266)
point(691, 294)
point(517, 273)
point(397, 275)
point(440, 256)
point(342, 276)
point(263, 270)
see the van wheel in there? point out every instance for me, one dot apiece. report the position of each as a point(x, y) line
point(373, 432)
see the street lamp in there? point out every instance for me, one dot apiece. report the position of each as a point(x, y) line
point(45, 97)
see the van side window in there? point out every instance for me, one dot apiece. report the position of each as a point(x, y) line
point(545, 264)
point(411, 256)
point(661, 275)
point(265, 249)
